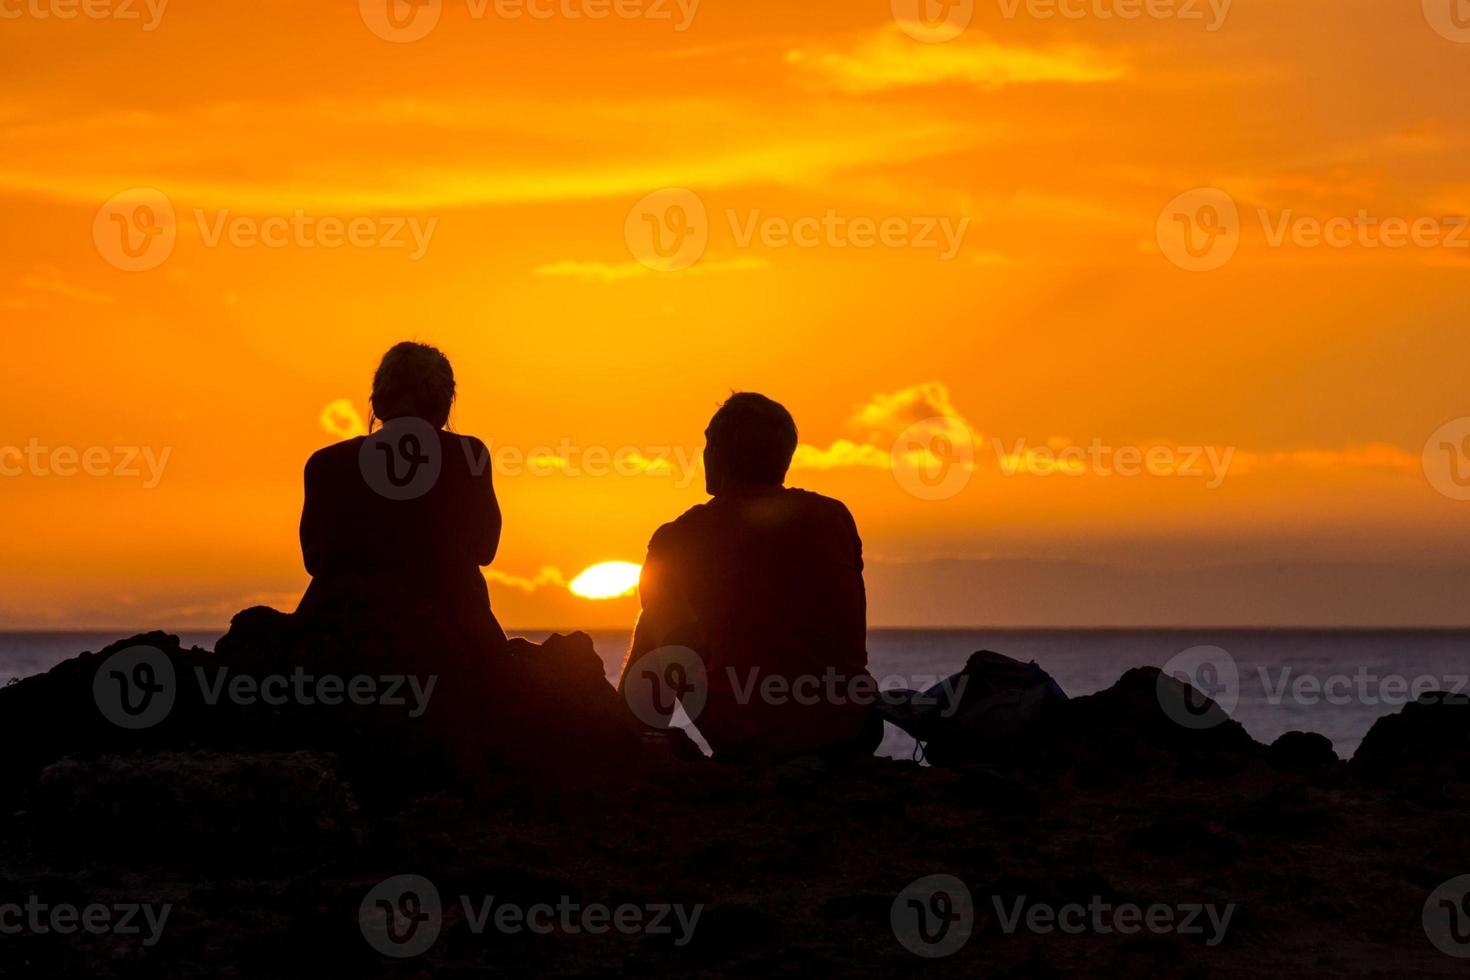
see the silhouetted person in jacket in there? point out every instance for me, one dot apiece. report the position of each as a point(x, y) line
point(399, 522)
point(765, 584)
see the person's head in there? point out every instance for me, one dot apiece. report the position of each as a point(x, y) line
point(749, 442)
point(413, 380)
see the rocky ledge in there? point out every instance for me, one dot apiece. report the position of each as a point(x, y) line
point(1119, 844)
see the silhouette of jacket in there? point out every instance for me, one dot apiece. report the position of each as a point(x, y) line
point(763, 582)
point(421, 556)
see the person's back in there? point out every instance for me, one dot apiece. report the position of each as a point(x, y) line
point(765, 584)
point(407, 514)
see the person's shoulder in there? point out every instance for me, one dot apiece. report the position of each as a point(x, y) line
point(681, 527)
point(810, 500)
point(460, 439)
point(466, 451)
point(335, 455)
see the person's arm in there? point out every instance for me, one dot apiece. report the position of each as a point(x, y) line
point(485, 517)
point(313, 518)
point(666, 617)
point(857, 551)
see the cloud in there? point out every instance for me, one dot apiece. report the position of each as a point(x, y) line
point(890, 59)
point(605, 272)
point(903, 428)
point(46, 279)
point(548, 576)
point(456, 153)
point(341, 419)
point(1369, 456)
point(842, 454)
point(919, 427)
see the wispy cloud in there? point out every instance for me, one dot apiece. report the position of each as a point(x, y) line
point(46, 279)
point(548, 576)
point(607, 272)
point(891, 60)
point(451, 153)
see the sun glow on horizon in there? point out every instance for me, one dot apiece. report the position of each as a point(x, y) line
point(606, 580)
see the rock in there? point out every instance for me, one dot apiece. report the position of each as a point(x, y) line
point(1144, 720)
point(1424, 748)
point(1303, 752)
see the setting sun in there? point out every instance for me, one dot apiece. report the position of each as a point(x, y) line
point(606, 580)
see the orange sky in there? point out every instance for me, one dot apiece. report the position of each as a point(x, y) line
point(891, 230)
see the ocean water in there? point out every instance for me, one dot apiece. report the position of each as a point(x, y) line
point(1336, 682)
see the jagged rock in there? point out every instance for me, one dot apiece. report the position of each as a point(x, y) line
point(1424, 748)
point(539, 712)
point(1136, 725)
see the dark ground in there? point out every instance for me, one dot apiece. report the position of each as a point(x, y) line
point(266, 855)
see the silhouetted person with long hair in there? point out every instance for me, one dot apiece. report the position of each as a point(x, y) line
point(765, 584)
point(405, 517)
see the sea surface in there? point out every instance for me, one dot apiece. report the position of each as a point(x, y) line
point(1336, 682)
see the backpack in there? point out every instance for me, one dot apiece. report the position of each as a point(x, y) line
point(983, 714)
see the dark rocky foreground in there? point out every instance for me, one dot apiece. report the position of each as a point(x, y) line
point(266, 852)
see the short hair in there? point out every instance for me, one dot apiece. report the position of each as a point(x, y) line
point(754, 436)
point(413, 380)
